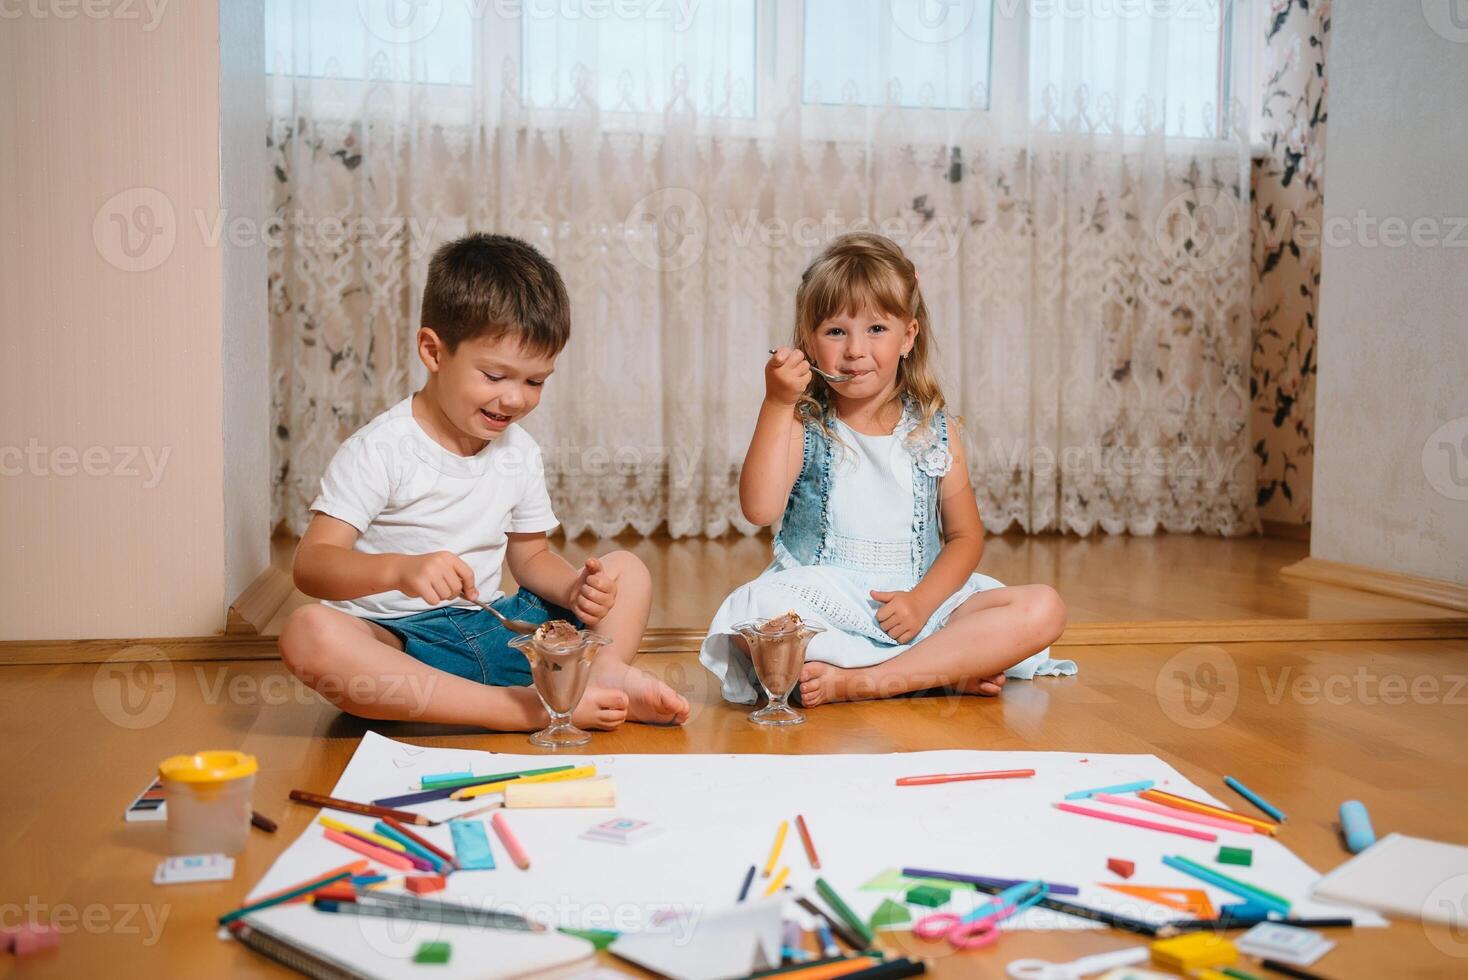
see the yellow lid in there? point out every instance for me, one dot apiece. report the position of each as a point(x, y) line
point(217, 766)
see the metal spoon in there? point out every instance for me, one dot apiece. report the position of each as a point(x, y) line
point(513, 625)
point(835, 379)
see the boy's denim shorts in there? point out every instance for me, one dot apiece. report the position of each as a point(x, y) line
point(472, 643)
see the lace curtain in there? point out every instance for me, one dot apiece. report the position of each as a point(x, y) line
point(1072, 188)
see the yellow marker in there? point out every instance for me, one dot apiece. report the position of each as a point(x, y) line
point(775, 851)
point(366, 835)
point(778, 882)
point(470, 792)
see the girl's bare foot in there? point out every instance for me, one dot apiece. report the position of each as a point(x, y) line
point(984, 687)
point(821, 683)
point(602, 708)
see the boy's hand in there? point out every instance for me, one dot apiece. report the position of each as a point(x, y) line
point(787, 375)
point(901, 616)
point(593, 593)
point(435, 578)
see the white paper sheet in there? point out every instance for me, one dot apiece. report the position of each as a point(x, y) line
point(721, 812)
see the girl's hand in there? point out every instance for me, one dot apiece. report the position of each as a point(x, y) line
point(787, 375)
point(901, 616)
point(593, 593)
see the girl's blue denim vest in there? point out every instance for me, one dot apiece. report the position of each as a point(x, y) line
point(805, 530)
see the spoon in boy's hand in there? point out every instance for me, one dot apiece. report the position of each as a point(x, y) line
point(513, 625)
point(835, 379)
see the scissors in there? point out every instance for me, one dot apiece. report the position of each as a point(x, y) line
point(981, 926)
point(1075, 969)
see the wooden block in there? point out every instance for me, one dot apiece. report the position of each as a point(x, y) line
point(337, 891)
point(433, 953)
point(1236, 855)
point(571, 793)
point(1124, 868)
point(927, 895)
point(425, 884)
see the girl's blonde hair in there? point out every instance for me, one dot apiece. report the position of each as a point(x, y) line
point(856, 273)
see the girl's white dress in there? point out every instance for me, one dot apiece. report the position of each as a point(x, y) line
point(871, 506)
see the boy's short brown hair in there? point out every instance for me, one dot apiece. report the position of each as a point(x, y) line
point(496, 286)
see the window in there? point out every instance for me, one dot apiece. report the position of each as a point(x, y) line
point(360, 39)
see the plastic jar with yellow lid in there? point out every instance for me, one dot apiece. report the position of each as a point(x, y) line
point(208, 796)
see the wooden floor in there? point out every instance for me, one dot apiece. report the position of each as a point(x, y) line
point(81, 740)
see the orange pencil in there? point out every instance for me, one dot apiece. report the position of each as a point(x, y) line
point(1183, 803)
point(825, 971)
point(810, 847)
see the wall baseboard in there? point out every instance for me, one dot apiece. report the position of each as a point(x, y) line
point(259, 603)
point(1415, 587)
point(1283, 529)
point(666, 640)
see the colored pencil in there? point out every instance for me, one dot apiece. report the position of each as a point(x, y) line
point(1249, 921)
point(1136, 787)
point(828, 942)
point(847, 936)
point(440, 912)
point(775, 851)
point(1125, 923)
point(890, 970)
point(848, 967)
point(414, 798)
point(483, 789)
point(794, 969)
point(379, 854)
point(429, 846)
point(1236, 973)
point(295, 891)
point(387, 843)
point(1183, 803)
point(777, 881)
point(1233, 886)
point(810, 845)
point(1054, 889)
point(843, 911)
point(365, 809)
point(263, 822)
point(507, 837)
point(497, 805)
point(413, 845)
point(1264, 805)
point(1218, 823)
point(1137, 822)
point(748, 878)
point(961, 777)
point(460, 782)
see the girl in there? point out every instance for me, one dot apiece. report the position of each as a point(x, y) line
point(881, 532)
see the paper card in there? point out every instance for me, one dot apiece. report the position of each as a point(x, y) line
point(185, 868)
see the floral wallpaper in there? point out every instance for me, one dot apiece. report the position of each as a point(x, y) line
point(1285, 234)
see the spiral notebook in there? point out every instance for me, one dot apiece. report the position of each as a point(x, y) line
point(349, 947)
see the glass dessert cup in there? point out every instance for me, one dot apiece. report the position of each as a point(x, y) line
point(560, 665)
point(777, 653)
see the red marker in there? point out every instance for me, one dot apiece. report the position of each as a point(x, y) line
point(959, 777)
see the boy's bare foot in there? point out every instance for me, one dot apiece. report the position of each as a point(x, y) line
point(603, 708)
point(649, 700)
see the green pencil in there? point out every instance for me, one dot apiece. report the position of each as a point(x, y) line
point(1242, 884)
point(459, 782)
point(851, 919)
point(266, 903)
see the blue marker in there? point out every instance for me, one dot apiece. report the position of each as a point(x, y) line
point(1356, 826)
point(1137, 787)
point(828, 941)
point(1265, 807)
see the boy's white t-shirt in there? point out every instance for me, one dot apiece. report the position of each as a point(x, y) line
point(406, 494)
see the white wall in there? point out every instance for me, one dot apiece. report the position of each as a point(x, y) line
point(113, 339)
point(1389, 493)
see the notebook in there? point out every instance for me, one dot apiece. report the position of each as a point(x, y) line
point(320, 944)
point(1404, 876)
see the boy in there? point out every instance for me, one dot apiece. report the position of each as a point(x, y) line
point(419, 508)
